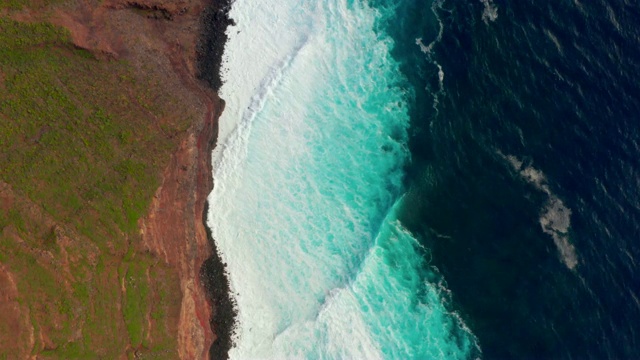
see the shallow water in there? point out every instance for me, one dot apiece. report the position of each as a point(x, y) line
point(309, 167)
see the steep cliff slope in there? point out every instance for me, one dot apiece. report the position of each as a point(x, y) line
point(105, 139)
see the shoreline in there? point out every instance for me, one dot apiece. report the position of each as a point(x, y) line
point(214, 279)
point(212, 274)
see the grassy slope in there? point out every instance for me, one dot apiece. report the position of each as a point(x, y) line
point(82, 143)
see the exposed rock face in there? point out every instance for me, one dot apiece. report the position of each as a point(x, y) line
point(165, 35)
point(15, 315)
point(175, 232)
point(155, 8)
point(215, 20)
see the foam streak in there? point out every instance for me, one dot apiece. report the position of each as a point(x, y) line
point(555, 217)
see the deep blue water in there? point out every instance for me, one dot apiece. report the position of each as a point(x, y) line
point(537, 105)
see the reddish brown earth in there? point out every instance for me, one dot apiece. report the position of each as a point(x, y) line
point(15, 314)
point(174, 231)
point(163, 36)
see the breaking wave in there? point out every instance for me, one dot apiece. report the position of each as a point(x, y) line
point(308, 176)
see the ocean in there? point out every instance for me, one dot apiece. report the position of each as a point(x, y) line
point(431, 179)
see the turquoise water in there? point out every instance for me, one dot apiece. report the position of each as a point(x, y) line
point(308, 179)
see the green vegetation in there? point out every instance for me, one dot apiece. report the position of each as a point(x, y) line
point(21, 4)
point(72, 138)
point(83, 142)
point(136, 299)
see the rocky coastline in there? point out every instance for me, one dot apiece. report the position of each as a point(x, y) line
point(212, 320)
point(213, 38)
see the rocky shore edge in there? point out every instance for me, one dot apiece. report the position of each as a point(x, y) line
point(207, 314)
point(193, 33)
point(215, 21)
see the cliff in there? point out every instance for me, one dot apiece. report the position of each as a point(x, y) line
point(105, 170)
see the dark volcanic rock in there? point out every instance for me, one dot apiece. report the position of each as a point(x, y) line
point(215, 21)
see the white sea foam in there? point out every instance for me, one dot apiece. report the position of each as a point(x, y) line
point(260, 72)
point(428, 50)
point(490, 12)
point(555, 217)
point(312, 143)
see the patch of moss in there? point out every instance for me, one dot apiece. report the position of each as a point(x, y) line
point(136, 300)
point(70, 350)
point(21, 4)
point(85, 140)
point(71, 142)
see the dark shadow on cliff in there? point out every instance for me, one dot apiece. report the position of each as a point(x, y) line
point(214, 278)
point(214, 23)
